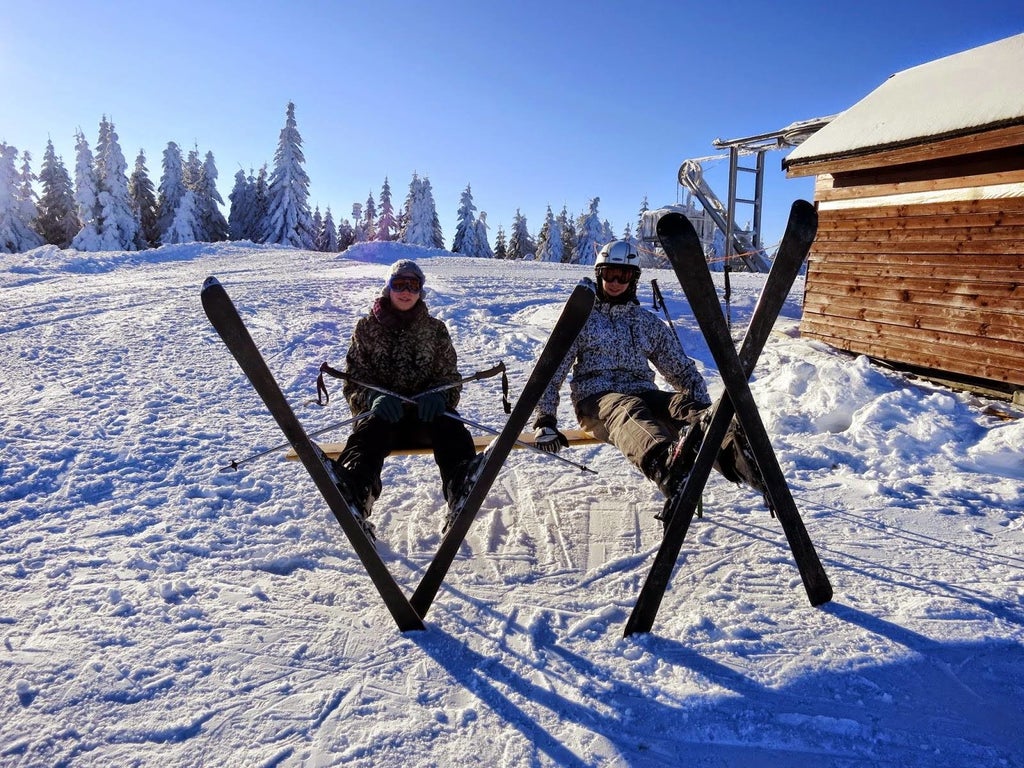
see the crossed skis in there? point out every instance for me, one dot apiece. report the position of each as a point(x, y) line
point(700, 447)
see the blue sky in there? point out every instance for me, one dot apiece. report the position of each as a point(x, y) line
point(532, 103)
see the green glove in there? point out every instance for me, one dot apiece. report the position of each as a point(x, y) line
point(387, 407)
point(431, 406)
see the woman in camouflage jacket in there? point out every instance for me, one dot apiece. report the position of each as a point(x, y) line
point(398, 346)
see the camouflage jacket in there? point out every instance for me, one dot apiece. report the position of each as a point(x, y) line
point(406, 353)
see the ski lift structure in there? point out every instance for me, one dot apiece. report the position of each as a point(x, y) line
point(725, 243)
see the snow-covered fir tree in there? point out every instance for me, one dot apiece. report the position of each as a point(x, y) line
point(318, 226)
point(346, 234)
point(428, 196)
point(369, 225)
point(465, 241)
point(288, 220)
point(329, 233)
point(242, 199)
point(211, 218)
point(422, 226)
point(142, 196)
point(482, 239)
point(26, 192)
point(86, 196)
point(58, 216)
point(549, 244)
point(520, 244)
point(171, 189)
point(589, 234)
point(500, 247)
point(568, 236)
point(185, 228)
point(387, 223)
point(16, 231)
point(117, 226)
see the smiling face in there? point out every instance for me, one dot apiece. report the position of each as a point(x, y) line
point(404, 290)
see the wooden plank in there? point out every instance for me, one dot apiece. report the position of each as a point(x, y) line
point(840, 282)
point(829, 194)
point(939, 270)
point(883, 235)
point(937, 246)
point(1004, 265)
point(575, 437)
point(982, 324)
point(919, 348)
point(941, 208)
point(855, 219)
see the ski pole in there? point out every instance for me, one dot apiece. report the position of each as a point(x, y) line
point(494, 371)
point(456, 417)
point(484, 374)
point(236, 464)
point(659, 303)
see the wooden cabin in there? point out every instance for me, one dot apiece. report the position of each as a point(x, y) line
point(919, 258)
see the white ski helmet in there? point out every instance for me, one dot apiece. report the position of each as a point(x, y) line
point(620, 253)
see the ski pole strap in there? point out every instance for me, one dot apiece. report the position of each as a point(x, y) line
point(323, 397)
point(657, 298)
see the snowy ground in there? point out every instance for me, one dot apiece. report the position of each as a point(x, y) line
point(156, 611)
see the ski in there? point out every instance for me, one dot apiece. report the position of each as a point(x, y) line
point(700, 450)
point(574, 315)
point(229, 325)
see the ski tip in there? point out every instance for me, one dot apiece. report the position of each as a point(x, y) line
point(673, 224)
point(210, 282)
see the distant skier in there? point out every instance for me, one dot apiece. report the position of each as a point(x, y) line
point(613, 387)
point(400, 347)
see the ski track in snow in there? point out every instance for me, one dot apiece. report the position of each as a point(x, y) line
point(158, 611)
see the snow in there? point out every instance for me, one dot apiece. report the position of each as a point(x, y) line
point(158, 611)
point(953, 95)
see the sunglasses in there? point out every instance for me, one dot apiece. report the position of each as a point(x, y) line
point(405, 284)
point(623, 275)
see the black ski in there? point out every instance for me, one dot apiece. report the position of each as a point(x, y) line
point(684, 250)
point(226, 320)
point(574, 316)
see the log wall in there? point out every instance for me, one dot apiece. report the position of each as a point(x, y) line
point(935, 285)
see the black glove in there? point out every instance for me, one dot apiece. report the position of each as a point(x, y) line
point(429, 407)
point(387, 407)
point(549, 439)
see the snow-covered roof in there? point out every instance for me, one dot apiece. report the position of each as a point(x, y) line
point(959, 94)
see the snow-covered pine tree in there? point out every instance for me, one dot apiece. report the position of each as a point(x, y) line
point(243, 202)
point(185, 228)
point(568, 236)
point(589, 234)
point(26, 193)
point(387, 224)
point(58, 216)
point(318, 227)
point(86, 196)
point(118, 228)
point(16, 232)
point(369, 225)
point(420, 214)
point(211, 219)
point(142, 196)
point(520, 244)
point(481, 236)
point(288, 220)
point(435, 222)
point(329, 236)
point(500, 247)
point(464, 241)
point(171, 189)
point(346, 235)
point(549, 244)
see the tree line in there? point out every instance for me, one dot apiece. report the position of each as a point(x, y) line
point(104, 208)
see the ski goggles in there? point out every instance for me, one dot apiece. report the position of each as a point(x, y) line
point(405, 284)
point(614, 274)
